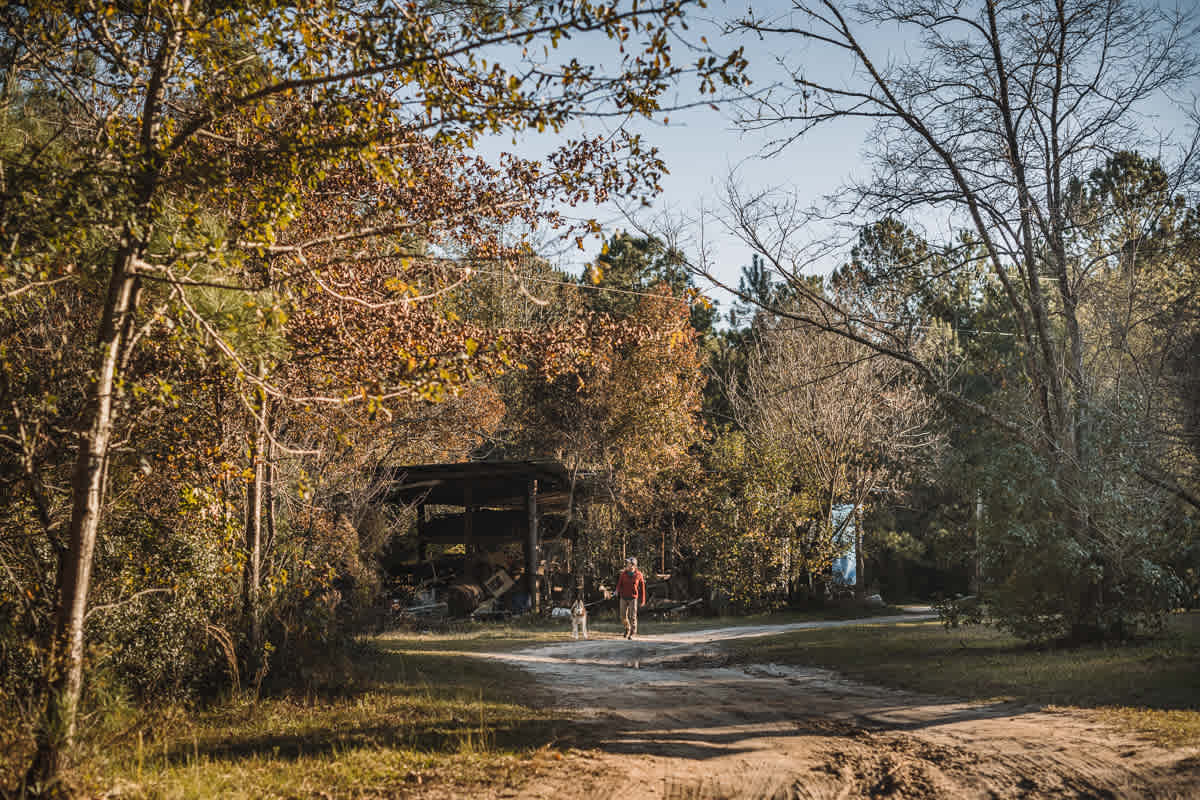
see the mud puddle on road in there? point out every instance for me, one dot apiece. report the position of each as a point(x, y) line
point(663, 717)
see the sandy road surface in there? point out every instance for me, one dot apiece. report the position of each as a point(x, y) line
point(662, 719)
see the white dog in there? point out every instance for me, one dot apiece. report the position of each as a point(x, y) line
point(578, 618)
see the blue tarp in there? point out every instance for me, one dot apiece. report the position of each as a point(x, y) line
point(845, 566)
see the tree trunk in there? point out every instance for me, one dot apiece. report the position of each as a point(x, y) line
point(532, 557)
point(56, 729)
point(860, 583)
point(252, 571)
point(974, 581)
point(268, 549)
point(673, 551)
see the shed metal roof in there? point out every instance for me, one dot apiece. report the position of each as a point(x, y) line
point(485, 484)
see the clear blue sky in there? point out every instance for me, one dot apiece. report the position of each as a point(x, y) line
point(702, 147)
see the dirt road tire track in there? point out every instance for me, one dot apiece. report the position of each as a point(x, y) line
point(659, 717)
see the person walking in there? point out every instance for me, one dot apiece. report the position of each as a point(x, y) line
point(631, 589)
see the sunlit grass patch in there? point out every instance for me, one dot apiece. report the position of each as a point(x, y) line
point(1151, 685)
point(784, 617)
point(487, 636)
point(1169, 727)
point(530, 632)
point(412, 719)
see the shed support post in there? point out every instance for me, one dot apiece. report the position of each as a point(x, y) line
point(468, 522)
point(422, 545)
point(531, 548)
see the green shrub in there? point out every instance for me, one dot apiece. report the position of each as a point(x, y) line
point(959, 610)
point(1091, 563)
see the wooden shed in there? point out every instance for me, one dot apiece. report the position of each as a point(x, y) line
point(501, 501)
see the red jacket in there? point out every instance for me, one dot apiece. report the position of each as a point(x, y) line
point(632, 585)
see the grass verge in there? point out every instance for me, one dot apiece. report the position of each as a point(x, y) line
point(1152, 686)
point(411, 720)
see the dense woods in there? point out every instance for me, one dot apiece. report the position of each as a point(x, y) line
point(250, 253)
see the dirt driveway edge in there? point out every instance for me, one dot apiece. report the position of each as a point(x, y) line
point(659, 722)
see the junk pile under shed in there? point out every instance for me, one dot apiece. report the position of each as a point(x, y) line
point(503, 503)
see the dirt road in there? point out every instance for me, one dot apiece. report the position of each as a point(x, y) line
point(662, 720)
